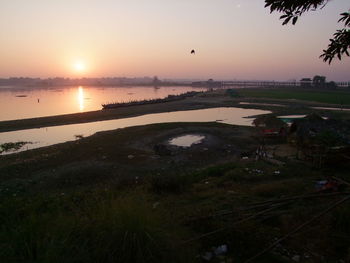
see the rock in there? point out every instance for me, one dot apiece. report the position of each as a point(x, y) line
point(296, 258)
point(154, 206)
point(207, 256)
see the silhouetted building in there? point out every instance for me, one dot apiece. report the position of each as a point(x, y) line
point(305, 82)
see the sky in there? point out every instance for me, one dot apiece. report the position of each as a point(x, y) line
point(233, 39)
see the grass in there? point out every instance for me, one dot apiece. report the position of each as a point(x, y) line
point(11, 146)
point(98, 228)
point(333, 97)
point(106, 224)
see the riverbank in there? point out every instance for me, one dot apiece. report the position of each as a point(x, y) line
point(217, 98)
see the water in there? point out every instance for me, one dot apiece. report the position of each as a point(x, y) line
point(290, 118)
point(186, 140)
point(23, 103)
point(329, 108)
point(58, 134)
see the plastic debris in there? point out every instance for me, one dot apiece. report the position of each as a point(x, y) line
point(220, 250)
point(296, 258)
point(154, 206)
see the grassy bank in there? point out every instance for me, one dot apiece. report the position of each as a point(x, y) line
point(322, 96)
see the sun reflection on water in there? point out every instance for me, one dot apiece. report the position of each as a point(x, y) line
point(81, 98)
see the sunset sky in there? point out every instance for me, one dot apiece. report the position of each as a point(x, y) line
point(233, 39)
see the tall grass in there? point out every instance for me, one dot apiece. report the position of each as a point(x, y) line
point(114, 230)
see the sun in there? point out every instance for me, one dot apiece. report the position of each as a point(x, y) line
point(79, 66)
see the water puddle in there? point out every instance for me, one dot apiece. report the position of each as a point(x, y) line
point(329, 108)
point(290, 118)
point(186, 140)
point(59, 134)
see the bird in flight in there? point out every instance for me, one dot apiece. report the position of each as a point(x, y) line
point(193, 52)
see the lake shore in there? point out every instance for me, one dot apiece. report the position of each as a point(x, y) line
point(197, 102)
point(217, 98)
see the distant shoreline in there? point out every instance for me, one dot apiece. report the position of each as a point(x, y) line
point(13, 86)
point(211, 99)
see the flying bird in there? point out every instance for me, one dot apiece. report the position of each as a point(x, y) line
point(193, 52)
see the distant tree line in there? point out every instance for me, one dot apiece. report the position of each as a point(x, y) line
point(318, 82)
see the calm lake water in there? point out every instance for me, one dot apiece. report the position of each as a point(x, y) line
point(58, 134)
point(23, 103)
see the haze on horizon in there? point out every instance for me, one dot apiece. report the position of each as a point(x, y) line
point(232, 38)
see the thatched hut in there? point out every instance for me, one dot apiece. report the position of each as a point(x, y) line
point(270, 125)
point(321, 139)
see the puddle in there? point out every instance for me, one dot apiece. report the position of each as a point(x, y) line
point(328, 108)
point(59, 134)
point(290, 118)
point(186, 140)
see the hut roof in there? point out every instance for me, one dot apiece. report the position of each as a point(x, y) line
point(269, 121)
point(313, 117)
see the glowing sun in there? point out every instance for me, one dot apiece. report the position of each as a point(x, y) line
point(79, 66)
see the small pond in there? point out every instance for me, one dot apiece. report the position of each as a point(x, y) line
point(59, 134)
point(329, 108)
point(186, 140)
point(290, 118)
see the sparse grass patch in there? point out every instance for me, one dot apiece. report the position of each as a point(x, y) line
point(216, 171)
point(168, 183)
point(12, 146)
point(278, 188)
